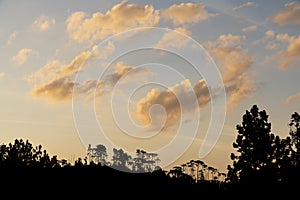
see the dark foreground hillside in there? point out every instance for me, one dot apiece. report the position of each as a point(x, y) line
point(93, 181)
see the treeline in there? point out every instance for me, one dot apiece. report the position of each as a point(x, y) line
point(262, 162)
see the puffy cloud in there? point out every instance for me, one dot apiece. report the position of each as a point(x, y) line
point(249, 28)
point(173, 100)
point(57, 90)
point(2, 74)
point(186, 13)
point(243, 87)
point(269, 40)
point(291, 54)
point(248, 4)
point(22, 55)
point(292, 98)
point(43, 23)
point(234, 62)
point(174, 38)
point(290, 14)
point(286, 57)
point(121, 17)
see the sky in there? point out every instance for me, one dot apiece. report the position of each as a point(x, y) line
point(172, 77)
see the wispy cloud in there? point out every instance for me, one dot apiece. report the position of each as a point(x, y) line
point(245, 5)
point(55, 81)
point(250, 28)
point(11, 37)
point(292, 98)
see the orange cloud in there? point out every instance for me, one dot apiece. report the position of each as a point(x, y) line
point(121, 17)
point(186, 13)
point(292, 98)
point(291, 54)
point(239, 90)
point(174, 38)
point(55, 90)
point(43, 23)
point(234, 62)
point(22, 55)
point(289, 15)
point(173, 100)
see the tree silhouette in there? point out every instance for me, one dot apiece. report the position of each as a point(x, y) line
point(121, 160)
point(255, 147)
point(295, 136)
point(22, 154)
point(98, 154)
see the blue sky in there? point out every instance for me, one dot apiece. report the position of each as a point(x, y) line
point(48, 48)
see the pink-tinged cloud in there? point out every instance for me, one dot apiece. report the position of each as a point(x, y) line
point(289, 15)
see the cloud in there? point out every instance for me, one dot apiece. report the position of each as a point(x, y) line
point(45, 74)
point(11, 37)
point(177, 38)
point(121, 17)
point(234, 63)
point(292, 98)
point(250, 28)
point(169, 100)
point(54, 69)
point(290, 54)
point(269, 40)
point(270, 33)
point(248, 4)
point(289, 15)
point(22, 55)
point(120, 70)
point(186, 13)
point(243, 87)
point(57, 90)
point(43, 23)
point(2, 74)
point(54, 82)
point(233, 60)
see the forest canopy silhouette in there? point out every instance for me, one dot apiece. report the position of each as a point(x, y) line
point(262, 162)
